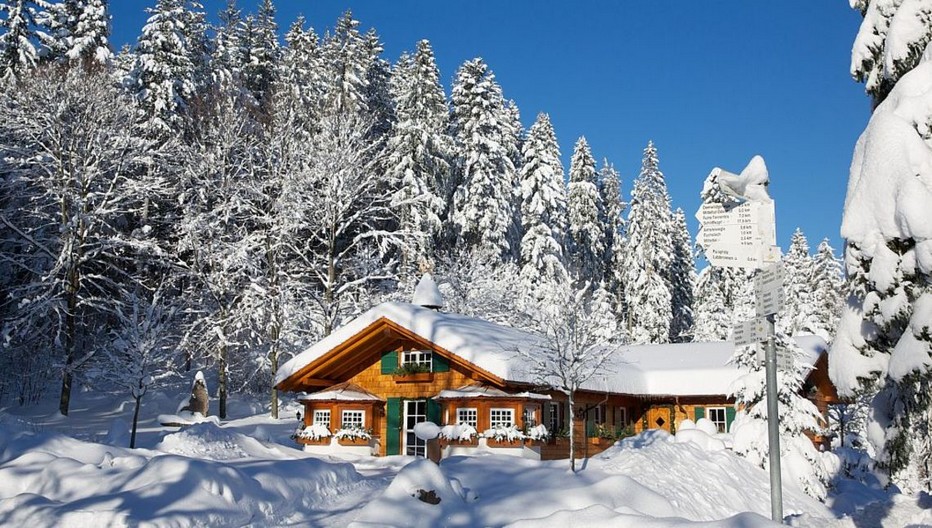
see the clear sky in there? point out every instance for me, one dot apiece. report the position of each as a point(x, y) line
point(711, 83)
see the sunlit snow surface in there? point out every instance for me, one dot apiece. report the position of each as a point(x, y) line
point(245, 473)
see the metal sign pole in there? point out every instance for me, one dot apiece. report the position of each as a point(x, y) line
point(773, 431)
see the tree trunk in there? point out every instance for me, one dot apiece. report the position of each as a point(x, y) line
point(132, 437)
point(273, 357)
point(275, 326)
point(71, 285)
point(570, 403)
point(222, 382)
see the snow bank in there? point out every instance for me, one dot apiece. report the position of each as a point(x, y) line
point(607, 518)
point(400, 505)
point(51, 480)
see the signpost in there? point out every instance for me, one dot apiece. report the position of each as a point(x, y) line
point(744, 236)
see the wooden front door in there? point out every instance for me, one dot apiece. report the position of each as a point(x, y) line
point(659, 418)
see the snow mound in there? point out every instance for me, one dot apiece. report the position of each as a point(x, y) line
point(705, 485)
point(427, 430)
point(700, 438)
point(207, 440)
point(400, 506)
point(186, 418)
point(605, 517)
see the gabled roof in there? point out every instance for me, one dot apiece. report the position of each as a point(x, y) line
point(341, 392)
point(686, 369)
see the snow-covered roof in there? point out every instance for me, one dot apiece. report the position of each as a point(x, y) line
point(687, 369)
point(484, 391)
point(341, 392)
point(427, 294)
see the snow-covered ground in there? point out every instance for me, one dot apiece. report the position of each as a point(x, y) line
point(72, 471)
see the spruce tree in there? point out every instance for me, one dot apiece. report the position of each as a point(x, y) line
point(18, 34)
point(712, 319)
point(543, 211)
point(797, 314)
point(79, 33)
point(827, 286)
point(482, 204)
point(648, 255)
point(586, 244)
point(347, 58)
point(418, 153)
point(301, 70)
point(262, 55)
point(682, 281)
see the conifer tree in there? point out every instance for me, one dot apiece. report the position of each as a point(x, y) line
point(262, 55)
point(543, 210)
point(682, 281)
point(347, 58)
point(378, 88)
point(827, 287)
point(586, 247)
point(648, 255)
point(229, 48)
point(713, 316)
point(482, 205)
point(79, 33)
point(797, 314)
point(165, 75)
point(301, 70)
point(18, 34)
point(613, 207)
point(418, 153)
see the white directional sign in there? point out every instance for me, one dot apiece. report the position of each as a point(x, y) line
point(768, 290)
point(784, 358)
point(743, 236)
point(750, 332)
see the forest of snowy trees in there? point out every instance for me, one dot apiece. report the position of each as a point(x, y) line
point(220, 197)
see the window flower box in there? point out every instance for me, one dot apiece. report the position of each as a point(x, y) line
point(459, 435)
point(502, 436)
point(353, 436)
point(314, 434)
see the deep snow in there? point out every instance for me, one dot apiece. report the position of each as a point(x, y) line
point(66, 471)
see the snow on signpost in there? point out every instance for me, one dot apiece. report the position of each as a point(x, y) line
point(738, 230)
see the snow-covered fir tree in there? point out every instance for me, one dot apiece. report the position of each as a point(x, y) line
point(515, 144)
point(648, 255)
point(79, 33)
point(712, 315)
point(165, 75)
point(890, 42)
point(347, 58)
point(301, 69)
point(586, 235)
point(884, 347)
point(418, 153)
point(19, 34)
point(827, 287)
point(797, 314)
point(379, 101)
point(543, 210)
point(228, 47)
point(262, 55)
point(682, 281)
point(809, 468)
point(613, 210)
point(482, 214)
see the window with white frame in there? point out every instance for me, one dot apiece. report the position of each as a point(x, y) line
point(322, 418)
point(501, 417)
point(467, 416)
point(421, 359)
point(718, 417)
point(530, 415)
point(353, 419)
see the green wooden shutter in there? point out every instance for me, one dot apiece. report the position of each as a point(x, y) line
point(440, 363)
point(700, 413)
point(433, 411)
point(393, 426)
point(729, 417)
point(389, 362)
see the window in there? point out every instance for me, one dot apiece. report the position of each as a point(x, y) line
point(420, 359)
point(352, 419)
point(621, 416)
point(717, 415)
point(322, 418)
point(530, 415)
point(554, 416)
point(467, 416)
point(599, 417)
point(502, 417)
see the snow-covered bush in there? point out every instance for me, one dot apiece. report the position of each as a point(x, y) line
point(501, 433)
point(312, 432)
point(538, 432)
point(353, 433)
point(462, 432)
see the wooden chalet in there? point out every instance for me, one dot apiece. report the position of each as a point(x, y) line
point(400, 364)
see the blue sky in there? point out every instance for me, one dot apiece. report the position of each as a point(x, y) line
point(711, 83)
